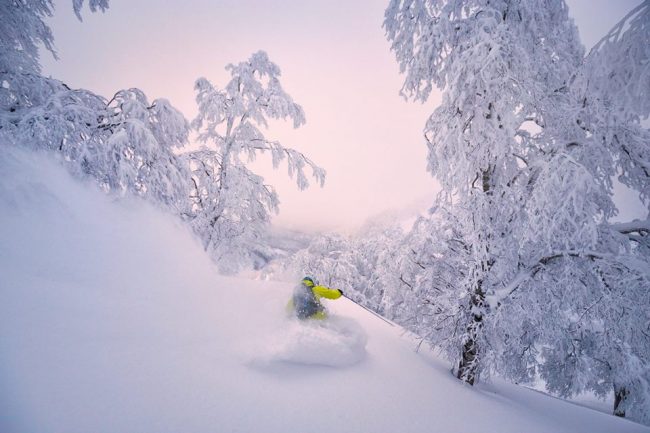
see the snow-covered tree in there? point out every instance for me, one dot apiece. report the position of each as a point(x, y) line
point(493, 61)
point(137, 153)
point(433, 263)
point(525, 145)
point(329, 259)
point(608, 100)
point(126, 144)
point(379, 252)
point(129, 145)
point(232, 205)
point(361, 265)
point(604, 345)
point(23, 29)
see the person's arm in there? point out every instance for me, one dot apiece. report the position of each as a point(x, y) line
point(326, 292)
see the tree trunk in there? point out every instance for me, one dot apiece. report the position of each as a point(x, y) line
point(468, 367)
point(621, 394)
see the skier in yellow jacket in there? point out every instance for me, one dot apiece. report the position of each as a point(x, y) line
point(305, 302)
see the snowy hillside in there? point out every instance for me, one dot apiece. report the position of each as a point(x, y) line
point(112, 319)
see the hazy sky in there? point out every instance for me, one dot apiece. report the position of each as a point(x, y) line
point(335, 62)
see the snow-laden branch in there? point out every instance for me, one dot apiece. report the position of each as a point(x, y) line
point(614, 35)
point(637, 266)
point(639, 226)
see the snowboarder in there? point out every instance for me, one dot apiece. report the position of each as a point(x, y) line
point(305, 302)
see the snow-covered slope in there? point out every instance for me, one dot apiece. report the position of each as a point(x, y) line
point(113, 320)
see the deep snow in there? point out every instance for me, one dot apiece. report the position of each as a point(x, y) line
point(113, 320)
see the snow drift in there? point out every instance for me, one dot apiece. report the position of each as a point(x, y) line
point(112, 319)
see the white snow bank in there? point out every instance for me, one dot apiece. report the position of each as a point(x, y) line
point(113, 320)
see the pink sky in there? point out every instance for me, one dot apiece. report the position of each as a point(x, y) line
point(335, 62)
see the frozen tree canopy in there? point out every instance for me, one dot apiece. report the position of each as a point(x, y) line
point(526, 142)
point(94, 5)
point(130, 145)
point(519, 270)
point(231, 204)
point(481, 56)
point(125, 144)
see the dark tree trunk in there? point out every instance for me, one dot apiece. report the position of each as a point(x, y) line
point(621, 394)
point(468, 367)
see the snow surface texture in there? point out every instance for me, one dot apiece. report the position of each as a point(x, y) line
point(112, 319)
point(336, 342)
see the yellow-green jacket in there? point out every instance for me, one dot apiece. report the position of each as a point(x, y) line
point(305, 302)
